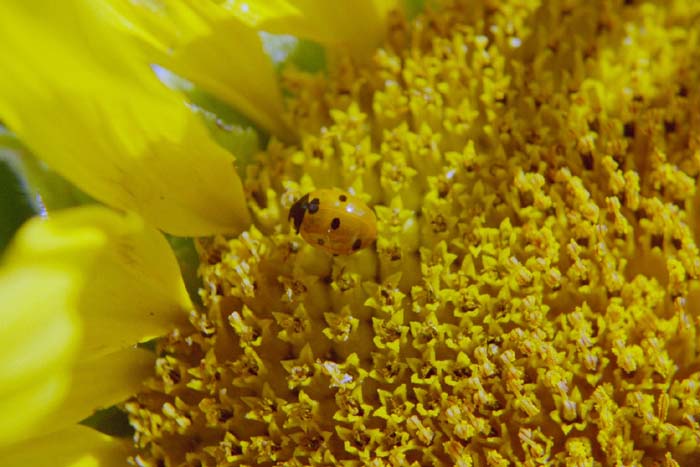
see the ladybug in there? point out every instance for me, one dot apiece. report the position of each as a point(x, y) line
point(334, 220)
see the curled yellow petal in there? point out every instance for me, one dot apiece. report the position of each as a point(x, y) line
point(213, 48)
point(358, 26)
point(77, 446)
point(78, 291)
point(100, 117)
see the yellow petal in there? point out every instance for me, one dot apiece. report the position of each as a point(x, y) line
point(213, 48)
point(77, 446)
point(358, 26)
point(97, 114)
point(77, 291)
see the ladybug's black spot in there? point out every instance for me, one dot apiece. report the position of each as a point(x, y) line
point(298, 210)
point(357, 245)
point(342, 198)
point(335, 223)
point(320, 241)
point(313, 206)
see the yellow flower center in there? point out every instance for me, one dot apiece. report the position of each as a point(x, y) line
point(532, 294)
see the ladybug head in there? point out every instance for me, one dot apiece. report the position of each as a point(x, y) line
point(298, 211)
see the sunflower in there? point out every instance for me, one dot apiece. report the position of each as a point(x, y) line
point(532, 295)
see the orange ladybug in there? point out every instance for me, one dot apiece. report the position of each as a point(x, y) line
point(334, 220)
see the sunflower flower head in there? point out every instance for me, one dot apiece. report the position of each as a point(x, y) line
point(532, 294)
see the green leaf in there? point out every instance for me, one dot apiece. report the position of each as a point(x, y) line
point(111, 421)
point(44, 189)
point(15, 206)
point(308, 56)
point(188, 259)
point(414, 7)
point(286, 50)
